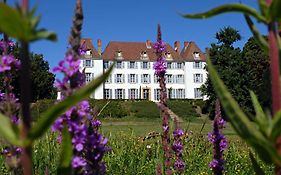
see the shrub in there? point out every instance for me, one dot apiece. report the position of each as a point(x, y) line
point(110, 108)
point(40, 106)
point(144, 109)
point(183, 108)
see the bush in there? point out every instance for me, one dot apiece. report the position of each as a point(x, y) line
point(110, 108)
point(40, 106)
point(185, 109)
point(144, 109)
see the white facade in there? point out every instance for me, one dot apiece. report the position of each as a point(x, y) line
point(136, 80)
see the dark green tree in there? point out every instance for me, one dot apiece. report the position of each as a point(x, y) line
point(241, 71)
point(227, 60)
point(42, 80)
point(257, 72)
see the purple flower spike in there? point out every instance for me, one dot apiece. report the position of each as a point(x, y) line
point(78, 162)
point(219, 142)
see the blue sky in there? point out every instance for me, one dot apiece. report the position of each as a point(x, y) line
point(135, 20)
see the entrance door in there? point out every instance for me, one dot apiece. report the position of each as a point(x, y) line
point(146, 94)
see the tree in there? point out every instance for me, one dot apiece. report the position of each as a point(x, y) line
point(241, 71)
point(227, 61)
point(257, 72)
point(42, 79)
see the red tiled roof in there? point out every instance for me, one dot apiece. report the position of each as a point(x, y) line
point(133, 50)
point(189, 49)
point(88, 45)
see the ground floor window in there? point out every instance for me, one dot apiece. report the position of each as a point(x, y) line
point(197, 93)
point(108, 93)
point(119, 93)
point(133, 93)
point(156, 94)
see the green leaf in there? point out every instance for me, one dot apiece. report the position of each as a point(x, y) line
point(262, 120)
point(8, 131)
point(48, 117)
point(259, 38)
point(240, 122)
point(12, 23)
point(275, 10)
point(43, 34)
point(258, 170)
point(276, 123)
point(263, 8)
point(66, 153)
point(228, 8)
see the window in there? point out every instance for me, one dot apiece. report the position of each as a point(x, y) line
point(196, 55)
point(198, 78)
point(119, 65)
point(119, 93)
point(88, 52)
point(145, 65)
point(180, 65)
point(169, 65)
point(89, 77)
point(132, 65)
point(180, 93)
point(109, 79)
point(88, 63)
point(144, 55)
point(171, 93)
point(133, 93)
point(197, 93)
point(156, 78)
point(145, 78)
point(106, 65)
point(107, 93)
point(119, 78)
point(156, 94)
point(179, 79)
point(132, 78)
point(169, 78)
point(197, 65)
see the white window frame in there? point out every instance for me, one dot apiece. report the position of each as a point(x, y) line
point(169, 78)
point(133, 93)
point(197, 65)
point(132, 65)
point(107, 93)
point(145, 78)
point(119, 78)
point(109, 79)
point(119, 93)
point(197, 93)
point(157, 94)
point(133, 78)
point(198, 78)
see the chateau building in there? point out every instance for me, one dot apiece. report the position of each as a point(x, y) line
point(133, 76)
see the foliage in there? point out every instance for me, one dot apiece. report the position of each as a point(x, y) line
point(42, 79)
point(130, 155)
point(240, 71)
point(144, 109)
point(109, 108)
point(264, 135)
point(185, 109)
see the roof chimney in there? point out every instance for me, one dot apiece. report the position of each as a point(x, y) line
point(148, 44)
point(186, 43)
point(177, 46)
point(99, 46)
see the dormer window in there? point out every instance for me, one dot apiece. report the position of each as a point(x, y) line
point(118, 54)
point(88, 53)
point(168, 56)
point(144, 55)
point(196, 55)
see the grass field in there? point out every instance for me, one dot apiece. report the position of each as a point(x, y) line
point(131, 155)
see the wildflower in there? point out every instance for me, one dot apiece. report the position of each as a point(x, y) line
point(219, 142)
point(8, 62)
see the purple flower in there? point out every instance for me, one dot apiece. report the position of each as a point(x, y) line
point(219, 142)
point(78, 162)
point(8, 62)
point(178, 132)
point(179, 165)
point(160, 66)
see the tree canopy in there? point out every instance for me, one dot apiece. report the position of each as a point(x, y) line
point(241, 71)
point(42, 79)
